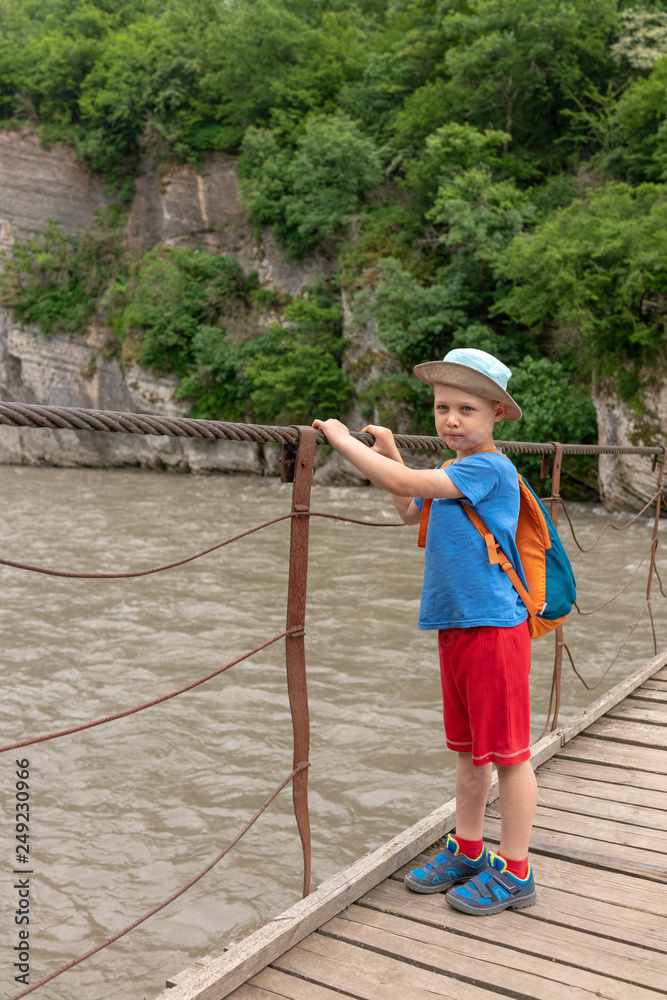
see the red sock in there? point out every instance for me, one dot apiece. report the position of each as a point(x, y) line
point(470, 848)
point(518, 868)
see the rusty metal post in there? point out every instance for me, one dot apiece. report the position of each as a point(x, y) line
point(656, 524)
point(297, 467)
point(558, 651)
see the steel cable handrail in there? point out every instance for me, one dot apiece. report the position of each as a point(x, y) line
point(80, 419)
point(160, 906)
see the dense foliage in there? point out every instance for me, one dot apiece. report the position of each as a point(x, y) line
point(481, 172)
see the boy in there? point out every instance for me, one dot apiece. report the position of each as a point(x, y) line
point(483, 638)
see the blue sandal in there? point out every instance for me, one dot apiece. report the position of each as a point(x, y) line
point(493, 889)
point(445, 870)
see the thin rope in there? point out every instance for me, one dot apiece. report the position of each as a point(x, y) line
point(197, 555)
point(654, 542)
point(297, 630)
point(609, 524)
point(591, 687)
point(174, 896)
point(143, 572)
point(551, 700)
point(655, 570)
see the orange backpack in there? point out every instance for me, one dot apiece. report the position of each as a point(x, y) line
point(551, 586)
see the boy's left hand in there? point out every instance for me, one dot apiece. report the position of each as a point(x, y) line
point(334, 429)
point(384, 442)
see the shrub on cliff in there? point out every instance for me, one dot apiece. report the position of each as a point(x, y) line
point(282, 375)
point(294, 371)
point(173, 293)
point(57, 281)
point(308, 195)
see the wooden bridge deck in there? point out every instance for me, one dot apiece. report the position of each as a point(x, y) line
point(598, 929)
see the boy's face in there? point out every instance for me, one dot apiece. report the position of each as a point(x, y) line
point(465, 422)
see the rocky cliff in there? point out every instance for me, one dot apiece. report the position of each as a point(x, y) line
point(179, 207)
point(627, 482)
point(183, 207)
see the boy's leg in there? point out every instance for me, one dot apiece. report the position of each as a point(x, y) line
point(463, 854)
point(506, 880)
point(499, 707)
point(472, 789)
point(518, 798)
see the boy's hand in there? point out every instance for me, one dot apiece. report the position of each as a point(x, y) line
point(334, 429)
point(384, 442)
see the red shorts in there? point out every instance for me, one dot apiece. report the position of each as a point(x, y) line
point(485, 693)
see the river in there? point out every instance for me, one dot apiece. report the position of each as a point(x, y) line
point(124, 814)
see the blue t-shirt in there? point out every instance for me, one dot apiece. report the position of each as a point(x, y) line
point(461, 588)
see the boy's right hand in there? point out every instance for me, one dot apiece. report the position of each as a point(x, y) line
point(384, 442)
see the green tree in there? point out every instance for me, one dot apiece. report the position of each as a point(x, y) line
point(448, 151)
point(513, 66)
point(403, 58)
point(308, 195)
point(553, 409)
point(481, 216)
point(212, 382)
point(593, 278)
point(296, 375)
point(642, 113)
point(285, 375)
point(415, 321)
point(332, 54)
point(175, 296)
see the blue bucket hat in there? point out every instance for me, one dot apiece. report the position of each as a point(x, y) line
point(473, 371)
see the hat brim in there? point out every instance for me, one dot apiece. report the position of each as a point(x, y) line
point(468, 379)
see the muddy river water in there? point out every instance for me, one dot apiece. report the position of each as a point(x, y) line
point(124, 814)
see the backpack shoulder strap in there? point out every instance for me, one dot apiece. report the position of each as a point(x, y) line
point(426, 507)
point(426, 512)
point(498, 557)
point(423, 522)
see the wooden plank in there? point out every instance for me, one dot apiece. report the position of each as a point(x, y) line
point(625, 779)
point(370, 975)
point(532, 930)
point(607, 795)
point(645, 693)
point(607, 854)
point(634, 733)
point(195, 967)
point(661, 675)
point(607, 752)
point(640, 711)
point(272, 984)
point(606, 886)
point(488, 962)
point(652, 684)
point(583, 803)
point(566, 911)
